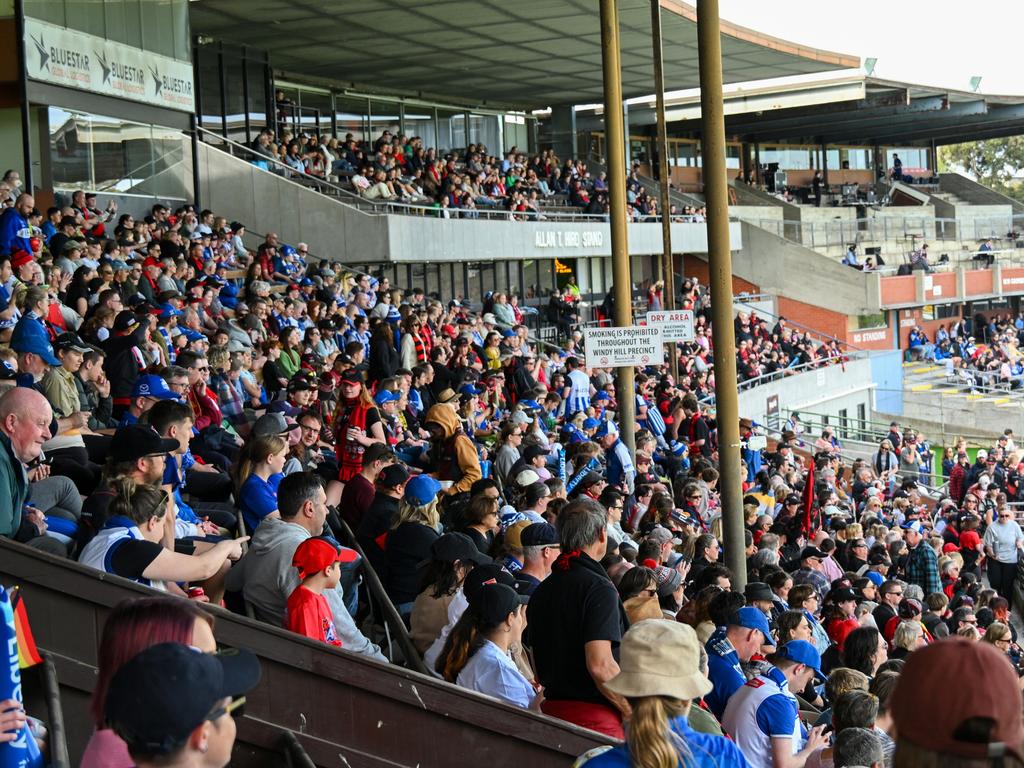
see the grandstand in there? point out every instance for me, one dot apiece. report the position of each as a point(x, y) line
point(278, 213)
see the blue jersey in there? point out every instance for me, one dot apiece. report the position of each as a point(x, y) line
point(705, 751)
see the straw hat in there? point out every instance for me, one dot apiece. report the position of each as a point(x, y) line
point(660, 658)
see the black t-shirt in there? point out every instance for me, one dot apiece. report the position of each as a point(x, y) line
point(132, 557)
point(378, 518)
point(569, 609)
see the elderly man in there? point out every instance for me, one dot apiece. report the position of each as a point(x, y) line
point(25, 418)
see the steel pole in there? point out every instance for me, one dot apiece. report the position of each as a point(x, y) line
point(720, 268)
point(621, 274)
point(667, 268)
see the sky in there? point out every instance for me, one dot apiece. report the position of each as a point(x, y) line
point(937, 43)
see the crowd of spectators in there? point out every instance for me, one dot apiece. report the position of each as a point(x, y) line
point(399, 168)
point(982, 355)
point(232, 446)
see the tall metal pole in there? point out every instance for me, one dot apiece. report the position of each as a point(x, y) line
point(720, 268)
point(667, 269)
point(616, 152)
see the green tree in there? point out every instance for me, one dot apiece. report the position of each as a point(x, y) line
point(994, 163)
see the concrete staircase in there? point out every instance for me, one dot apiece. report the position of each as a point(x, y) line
point(931, 395)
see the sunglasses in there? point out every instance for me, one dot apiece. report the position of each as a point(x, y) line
point(235, 708)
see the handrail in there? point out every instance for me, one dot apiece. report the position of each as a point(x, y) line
point(765, 378)
point(384, 206)
point(801, 326)
point(130, 174)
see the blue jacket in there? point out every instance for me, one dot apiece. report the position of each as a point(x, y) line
point(706, 751)
point(724, 672)
point(14, 232)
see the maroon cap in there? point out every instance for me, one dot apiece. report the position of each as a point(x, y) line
point(930, 714)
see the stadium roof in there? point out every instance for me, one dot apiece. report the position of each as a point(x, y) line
point(851, 109)
point(527, 54)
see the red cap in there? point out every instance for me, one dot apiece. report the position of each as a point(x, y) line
point(948, 547)
point(20, 258)
point(929, 716)
point(151, 262)
point(314, 555)
point(35, 244)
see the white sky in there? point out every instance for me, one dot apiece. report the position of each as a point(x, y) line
point(937, 43)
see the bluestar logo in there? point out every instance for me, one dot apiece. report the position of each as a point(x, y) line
point(44, 55)
point(104, 66)
point(157, 79)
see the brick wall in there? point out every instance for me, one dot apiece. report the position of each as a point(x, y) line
point(817, 318)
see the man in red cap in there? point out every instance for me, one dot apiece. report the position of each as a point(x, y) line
point(308, 612)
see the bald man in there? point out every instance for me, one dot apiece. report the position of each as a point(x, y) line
point(25, 417)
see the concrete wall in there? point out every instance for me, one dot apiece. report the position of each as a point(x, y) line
point(779, 266)
point(757, 213)
point(821, 391)
point(973, 192)
point(266, 202)
point(887, 376)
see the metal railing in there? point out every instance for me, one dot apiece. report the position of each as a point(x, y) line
point(351, 198)
point(910, 229)
point(767, 378)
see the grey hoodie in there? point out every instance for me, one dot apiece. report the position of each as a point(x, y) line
point(266, 578)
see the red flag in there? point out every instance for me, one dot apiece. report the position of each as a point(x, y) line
point(808, 501)
point(28, 654)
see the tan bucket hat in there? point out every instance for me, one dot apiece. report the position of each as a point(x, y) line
point(660, 658)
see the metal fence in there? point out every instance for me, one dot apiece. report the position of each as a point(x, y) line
point(910, 229)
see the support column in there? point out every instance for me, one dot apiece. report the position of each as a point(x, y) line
point(720, 269)
point(745, 161)
point(668, 273)
point(563, 130)
point(622, 279)
point(824, 162)
point(27, 178)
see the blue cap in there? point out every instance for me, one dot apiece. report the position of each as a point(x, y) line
point(30, 337)
point(117, 264)
point(915, 526)
point(192, 335)
point(752, 618)
point(153, 386)
point(606, 428)
point(602, 395)
point(875, 578)
point(386, 396)
point(167, 311)
point(469, 389)
point(287, 250)
point(508, 333)
point(589, 423)
point(306, 281)
point(421, 490)
point(533, 405)
point(677, 448)
point(801, 652)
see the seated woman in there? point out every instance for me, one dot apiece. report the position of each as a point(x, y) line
point(257, 475)
point(137, 543)
point(410, 540)
point(482, 522)
point(476, 654)
point(661, 701)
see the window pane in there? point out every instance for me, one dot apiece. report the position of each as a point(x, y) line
point(158, 31)
point(235, 94)
point(256, 73)
point(351, 117)
point(451, 130)
point(419, 121)
point(383, 117)
point(70, 155)
point(84, 16)
point(316, 107)
point(483, 129)
point(209, 83)
point(45, 10)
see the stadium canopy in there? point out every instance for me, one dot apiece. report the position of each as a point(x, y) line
point(526, 54)
point(851, 109)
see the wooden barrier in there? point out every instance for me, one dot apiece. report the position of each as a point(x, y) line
point(343, 708)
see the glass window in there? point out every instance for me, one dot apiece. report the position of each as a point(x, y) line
point(433, 279)
point(351, 116)
point(545, 277)
point(85, 16)
point(682, 154)
point(256, 75)
point(383, 117)
point(451, 130)
point(316, 110)
point(235, 94)
point(483, 129)
point(209, 85)
point(45, 10)
point(158, 31)
point(419, 121)
point(473, 290)
point(501, 276)
point(532, 279)
point(733, 156)
point(458, 281)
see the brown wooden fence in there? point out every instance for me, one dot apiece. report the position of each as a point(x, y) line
point(345, 710)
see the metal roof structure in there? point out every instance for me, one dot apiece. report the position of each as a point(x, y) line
point(851, 109)
point(528, 54)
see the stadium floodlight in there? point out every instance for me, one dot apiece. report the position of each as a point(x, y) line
point(975, 82)
point(869, 66)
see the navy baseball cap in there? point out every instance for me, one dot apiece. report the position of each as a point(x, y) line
point(29, 337)
point(153, 386)
point(159, 697)
point(801, 652)
point(752, 618)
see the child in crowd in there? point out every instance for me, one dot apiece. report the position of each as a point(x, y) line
point(318, 562)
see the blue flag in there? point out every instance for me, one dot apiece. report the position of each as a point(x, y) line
point(23, 752)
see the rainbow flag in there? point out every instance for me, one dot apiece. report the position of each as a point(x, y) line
point(28, 654)
point(23, 751)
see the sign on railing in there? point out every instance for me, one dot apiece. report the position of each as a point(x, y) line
point(624, 347)
point(676, 325)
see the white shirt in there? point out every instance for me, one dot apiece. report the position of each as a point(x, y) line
point(492, 671)
point(1001, 538)
point(762, 710)
point(456, 608)
point(579, 393)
